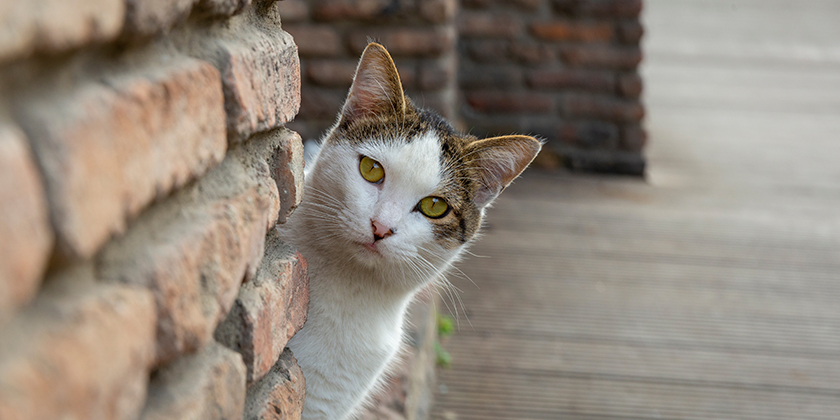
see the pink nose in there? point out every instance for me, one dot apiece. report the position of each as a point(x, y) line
point(380, 231)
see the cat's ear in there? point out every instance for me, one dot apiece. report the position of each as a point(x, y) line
point(376, 88)
point(499, 160)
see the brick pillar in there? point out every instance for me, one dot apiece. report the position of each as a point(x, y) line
point(144, 162)
point(565, 70)
point(331, 35)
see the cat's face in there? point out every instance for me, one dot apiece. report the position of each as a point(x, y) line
point(396, 187)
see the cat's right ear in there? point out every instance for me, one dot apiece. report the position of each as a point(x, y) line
point(376, 89)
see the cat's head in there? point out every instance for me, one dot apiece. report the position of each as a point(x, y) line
point(395, 186)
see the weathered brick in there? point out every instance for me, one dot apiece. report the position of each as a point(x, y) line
point(495, 77)
point(602, 107)
point(25, 228)
point(599, 8)
point(487, 50)
point(630, 32)
point(407, 41)
point(79, 352)
point(49, 26)
point(149, 17)
point(364, 10)
point(279, 394)
point(331, 73)
point(109, 148)
point(633, 138)
point(630, 163)
point(270, 308)
point(194, 250)
point(589, 134)
point(319, 103)
point(292, 11)
point(572, 79)
point(260, 72)
point(209, 385)
point(438, 11)
point(530, 5)
point(509, 102)
point(573, 31)
point(623, 58)
point(630, 85)
point(529, 52)
point(487, 25)
point(316, 40)
point(436, 74)
point(222, 8)
point(475, 4)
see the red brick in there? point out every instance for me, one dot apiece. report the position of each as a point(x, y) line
point(509, 102)
point(476, 4)
point(209, 385)
point(589, 134)
point(260, 74)
point(316, 40)
point(270, 308)
point(602, 107)
point(630, 32)
point(530, 5)
point(279, 394)
point(407, 41)
point(332, 10)
point(323, 104)
point(331, 73)
point(50, 26)
point(633, 138)
point(573, 31)
point(194, 250)
point(26, 232)
point(149, 17)
point(486, 25)
point(599, 8)
point(487, 50)
point(528, 52)
point(78, 353)
point(572, 79)
point(292, 11)
point(623, 58)
point(438, 11)
point(108, 149)
point(437, 74)
point(630, 85)
point(285, 161)
point(494, 77)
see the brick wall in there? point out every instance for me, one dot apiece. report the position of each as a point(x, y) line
point(565, 70)
point(331, 35)
point(143, 165)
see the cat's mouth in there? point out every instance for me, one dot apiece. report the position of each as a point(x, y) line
point(370, 247)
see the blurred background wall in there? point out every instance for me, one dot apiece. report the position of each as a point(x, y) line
point(563, 70)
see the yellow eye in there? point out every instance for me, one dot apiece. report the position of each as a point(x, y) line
point(371, 170)
point(433, 207)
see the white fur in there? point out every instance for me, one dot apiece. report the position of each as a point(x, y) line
point(358, 298)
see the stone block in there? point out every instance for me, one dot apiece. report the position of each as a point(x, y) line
point(81, 352)
point(209, 385)
point(316, 40)
point(194, 250)
point(52, 26)
point(602, 108)
point(279, 394)
point(109, 147)
point(270, 308)
point(566, 30)
point(491, 102)
point(565, 79)
point(145, 17)
point(260, 71)
point(25, 227)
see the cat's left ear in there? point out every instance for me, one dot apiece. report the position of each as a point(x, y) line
point(376, 89)
point(499, 160)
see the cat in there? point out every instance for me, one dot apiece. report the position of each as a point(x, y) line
point(394, 196)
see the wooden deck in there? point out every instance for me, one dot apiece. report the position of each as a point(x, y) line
point(709, 291)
